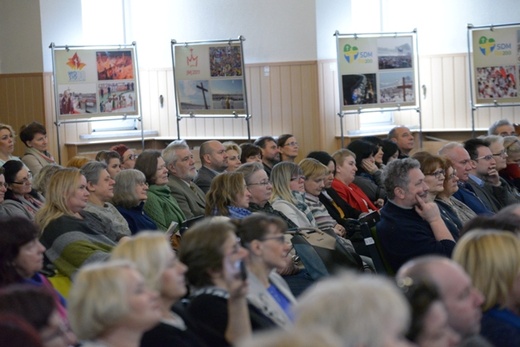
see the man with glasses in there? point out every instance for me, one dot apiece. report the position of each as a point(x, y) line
point(181, 172)
point(463, 165)
point(214, 160)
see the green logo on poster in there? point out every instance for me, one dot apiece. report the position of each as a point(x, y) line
point(350, 53)
point(486, 45)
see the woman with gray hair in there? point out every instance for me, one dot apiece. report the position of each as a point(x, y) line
point(512, 171)
point(130, 194)
point(101, 188)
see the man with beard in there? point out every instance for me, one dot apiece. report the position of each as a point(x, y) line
point(410, 226)
point(270, 152)
point(181, 172)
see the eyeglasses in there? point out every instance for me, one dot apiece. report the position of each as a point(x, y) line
point(297, 178)
point(142, 183)
point(25, 180)
point(279, 238)
point(437, 173)
point(502, 154)
point(131, 157)
point(292, 144)
point(261, 183)
point(486, 157)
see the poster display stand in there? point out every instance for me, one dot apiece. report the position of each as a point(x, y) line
point(95, 83)
point(377, 72)
point(493, 57)
point(209, 78)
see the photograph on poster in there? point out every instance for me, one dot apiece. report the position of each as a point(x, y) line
point(359, 89)
point(397, 87)
point(193, 95)
point(225, 61)
point(395, 53)
point(77, 98)
point(117, 97)
point(227, 94)
point(114, 65)
point(496, 82)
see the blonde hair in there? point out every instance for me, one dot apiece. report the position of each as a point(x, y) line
point(312, 168)
point(61, 186)
point(150, 251)
point(8, 127)
point(281, 175)
point(376, 300)
point(492, 259)
point(78, 161)
point(98, 299)
point(341, 154)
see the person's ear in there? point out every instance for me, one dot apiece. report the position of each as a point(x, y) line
point(91, 187)
point(399, 192)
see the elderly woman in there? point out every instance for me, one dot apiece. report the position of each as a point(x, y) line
point(288, 147)
point(446, 199)
point(110, 305)
point(344, 184)
point(21, 259)
point(377, 316)
point(160, 206)
point(19, 187)
point(233, 151)
point(215, 257)
point(368, 175)
point(10, 208)
point(130, 194)
point(228, 196)
point(432, 166)
point(263, 236)
point(498, 278)
point(128, 156)
point(429, 324)
point(6, 144)
point(101, 188)
point(113, 161)
point(511, 173)
point(38, 307)
point(36, 156)
point(73, 237)
point(164, 273)
point(315, 175)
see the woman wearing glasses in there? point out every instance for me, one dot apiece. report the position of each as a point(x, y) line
point(228, 196)
point(128, 156)
point(432, 166)
point(19, 187)
point(263, 236)
point(512, 171)
point(10, 208)
point(288, 147)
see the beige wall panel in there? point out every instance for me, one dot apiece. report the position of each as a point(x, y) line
point(446, 117)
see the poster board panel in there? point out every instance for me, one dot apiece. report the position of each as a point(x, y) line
point(209, 78)
point(377, 72)
point(496, 59)
point(95, 82)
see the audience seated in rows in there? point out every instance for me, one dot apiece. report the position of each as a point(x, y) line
point(128, 156)
point(160, 205)
point(130, 195)
point(112, 159)
point(181, 172)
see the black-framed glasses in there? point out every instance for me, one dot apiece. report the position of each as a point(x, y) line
point(25, 180)
point(261, 183)
point(437, 173)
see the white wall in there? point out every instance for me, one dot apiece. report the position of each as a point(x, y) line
point(20, 36)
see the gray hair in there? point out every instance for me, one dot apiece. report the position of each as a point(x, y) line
point(493, 138)
point(124, 189)
point(169, 154)
point(396, 174)
point(493, 128)
point(444, 150)
point(248, 169)
point(92, 170)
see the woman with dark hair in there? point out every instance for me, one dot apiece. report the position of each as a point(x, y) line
point(378, 157)
point(38, 307)
point(128, 156)
point(390, 151)
point(288, 147)
point(34, 137)
point(16, 331)
point(21, 259)
point(10, 208)
point(214, 257)
point(113, 161)
point(19, 187)
point(250, 153)
point(429, 324)
point(160, 206)
point(228, 196)
point(368, 174)
point(130, 194)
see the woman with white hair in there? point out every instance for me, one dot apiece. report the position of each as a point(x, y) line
point(364, 310)
point(110, 305)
